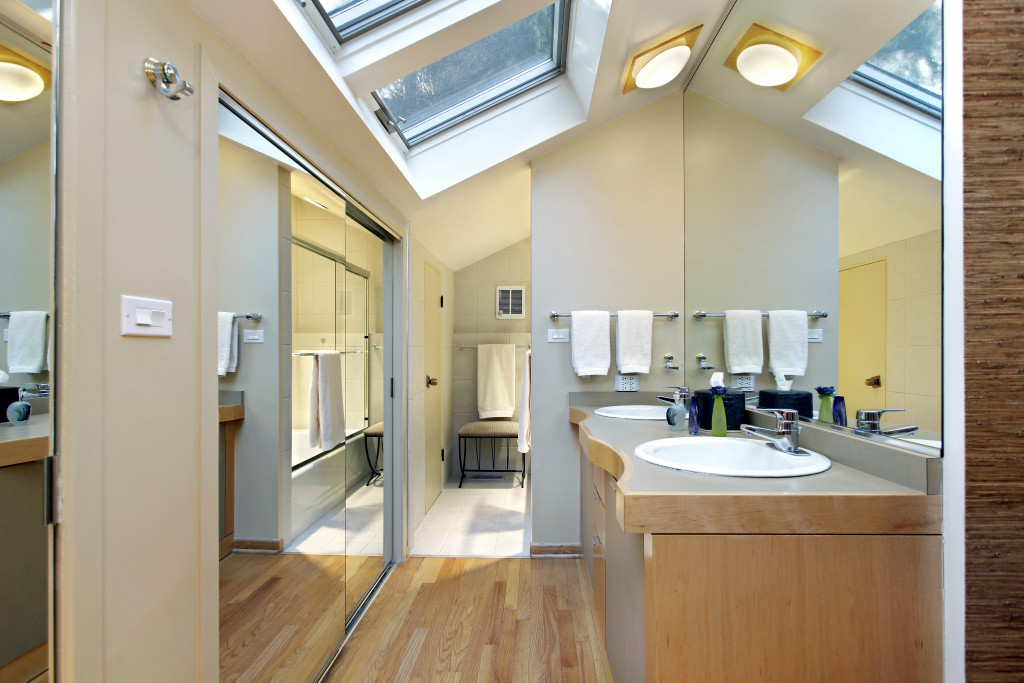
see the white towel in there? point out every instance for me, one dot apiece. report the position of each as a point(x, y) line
point(591, 345)
point(526, 406)
point(26, 342)
point(787, 342)
point(326, 412)
point(744, 350)
point(495, 380)
point(633, 341)
point(227, 343)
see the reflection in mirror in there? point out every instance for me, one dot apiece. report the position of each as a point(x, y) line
point(26, 317)
point(826, 195)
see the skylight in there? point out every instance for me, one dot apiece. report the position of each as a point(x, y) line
point(477, 77)
point(353, 17)
point(909, 67)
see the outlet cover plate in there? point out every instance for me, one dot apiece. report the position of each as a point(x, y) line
point(627, 383)
point(744, 382)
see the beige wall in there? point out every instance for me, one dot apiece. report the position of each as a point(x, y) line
point(26, 269)
point(607, 233)
point(476, 323)
point(248, 232)
point(416, 425)
point(762, 228)
point(913, 332)
point(137, 548)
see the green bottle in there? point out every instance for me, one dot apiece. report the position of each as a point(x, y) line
point(825, 411)
point(718, 424)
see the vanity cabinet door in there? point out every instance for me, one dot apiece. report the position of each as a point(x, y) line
point(600, 567)
point(624, 593)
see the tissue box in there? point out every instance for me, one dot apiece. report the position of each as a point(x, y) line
point(800, 401)
point(8, 395)
point(735, 408)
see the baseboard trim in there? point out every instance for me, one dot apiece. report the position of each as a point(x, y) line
point(545, 550)
point(252, 545)
point(27, 667)
point(226, 545)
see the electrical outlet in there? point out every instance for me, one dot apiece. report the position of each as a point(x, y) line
point(627, 383)
point(743, 382)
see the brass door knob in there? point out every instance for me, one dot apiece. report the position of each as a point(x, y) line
point(875, 381)
point(431, 381)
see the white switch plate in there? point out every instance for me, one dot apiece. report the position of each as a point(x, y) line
point(558, 336)
point(142, 317)
point(814, 335)
point(627, 383)
point(252, 336)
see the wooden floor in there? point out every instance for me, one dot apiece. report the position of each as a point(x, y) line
point(281, 616)
point(471, 619)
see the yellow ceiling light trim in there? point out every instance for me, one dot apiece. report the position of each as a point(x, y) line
point(20, 78)
point(762, 54)
point(660, 64)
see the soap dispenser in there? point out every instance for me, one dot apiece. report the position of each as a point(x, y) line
point(676, 413)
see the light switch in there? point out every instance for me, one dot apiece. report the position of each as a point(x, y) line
point(252, 337)
point(141, 317)
point(559, 336)
point(814, 335)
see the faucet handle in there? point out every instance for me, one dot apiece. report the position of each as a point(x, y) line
point(786, 418)
point(872, 415)
point(682, 390)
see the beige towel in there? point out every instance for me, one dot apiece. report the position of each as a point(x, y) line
point(591, 343)
point(326, 412)
point(495, 380)
point(526, 406)
point(633, 341)
point(744, 349)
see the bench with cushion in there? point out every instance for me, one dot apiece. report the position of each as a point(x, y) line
point(492, 430)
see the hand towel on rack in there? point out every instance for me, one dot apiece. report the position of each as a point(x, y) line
point(526, 406)
point(26, 342)
point(495, 380)
point(744, 350)
point(633, 340)
point(326, 412)
point(787, 342)
point(591, 346)
point(227, 343)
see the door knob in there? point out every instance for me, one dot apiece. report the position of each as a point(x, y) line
point(431, 381)
point(875, 381)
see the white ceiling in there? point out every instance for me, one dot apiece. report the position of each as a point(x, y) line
point(491, 209)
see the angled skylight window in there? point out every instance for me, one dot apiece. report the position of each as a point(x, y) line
point(909, 67)
point(349, 18)
point(477, 77)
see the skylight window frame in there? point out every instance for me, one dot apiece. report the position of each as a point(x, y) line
point(489, 98)
point(347, 30)
point(899, 89)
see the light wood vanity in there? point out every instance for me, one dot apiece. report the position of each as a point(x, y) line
point(832, 577)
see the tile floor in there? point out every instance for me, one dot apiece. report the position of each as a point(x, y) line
point(355, 526)
point(485, 518)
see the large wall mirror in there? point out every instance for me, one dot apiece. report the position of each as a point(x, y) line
point(825, 194)
point(26, 318)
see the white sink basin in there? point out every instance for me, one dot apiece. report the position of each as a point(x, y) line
point(633, 412)
point(730, 457)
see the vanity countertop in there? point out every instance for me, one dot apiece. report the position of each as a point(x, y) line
point(655, 499)
point(22, 443)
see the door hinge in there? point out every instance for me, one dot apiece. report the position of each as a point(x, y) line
point(442, 455)
point(392, 387)
point(442, 301)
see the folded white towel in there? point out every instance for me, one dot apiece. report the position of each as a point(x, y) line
point(787, 342)
point(526, 406)
point(227, 343)
point(633, 341)
point(744, 352)
point(326, 412)
point(591, 344)
point(495, 380)
point(26, 342)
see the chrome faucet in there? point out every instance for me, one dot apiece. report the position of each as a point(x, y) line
point(677, 394)
point(668, 362)
point(870, 422)
point(786, 435)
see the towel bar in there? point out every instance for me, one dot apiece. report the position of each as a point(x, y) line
point(8, 315)
point(698, 315)
point(518, 346)
point(671, 315)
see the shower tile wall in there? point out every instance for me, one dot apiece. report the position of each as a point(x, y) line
point(476, 323)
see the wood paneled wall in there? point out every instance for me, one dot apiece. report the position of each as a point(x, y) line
point(994, 327)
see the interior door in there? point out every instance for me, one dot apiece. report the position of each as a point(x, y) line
point(862, 316)
point(433, 465)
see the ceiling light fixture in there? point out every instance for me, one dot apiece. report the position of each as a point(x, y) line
point(660, 64)
point(19, 83)
point(770, 59)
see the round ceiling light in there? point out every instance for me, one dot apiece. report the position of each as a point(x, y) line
point(767, 64)
point(19, 83)
point(663, 68)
